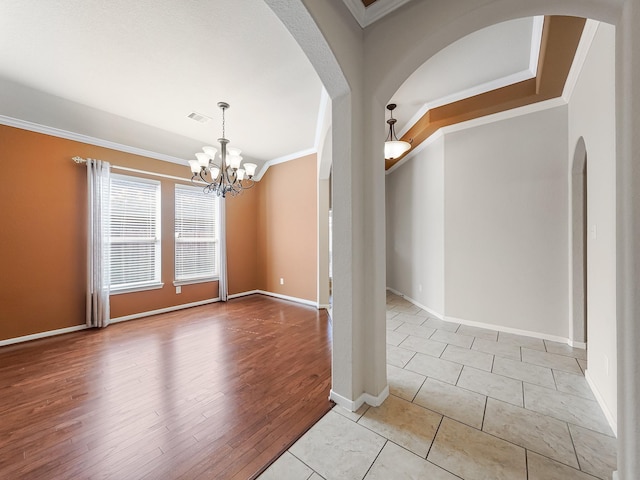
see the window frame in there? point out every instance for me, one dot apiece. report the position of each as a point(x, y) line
point(156, 283)
point(216, 239)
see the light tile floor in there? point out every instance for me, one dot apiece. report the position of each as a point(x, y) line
point(465, 402)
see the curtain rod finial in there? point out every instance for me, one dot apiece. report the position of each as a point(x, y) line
point(79, 160)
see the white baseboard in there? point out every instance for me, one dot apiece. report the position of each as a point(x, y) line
point(575, 344)
point(600, 399)
point(491, 326)
point(163, 310)
point(134, 316)
point(304, 301)
point(242, 294)
point(501, 328)
point(323, 306)
point(35, 336)
point(430, 311)
point(354, 405)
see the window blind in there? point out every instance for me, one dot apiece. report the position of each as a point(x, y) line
point(196, 232)
point(135, 232)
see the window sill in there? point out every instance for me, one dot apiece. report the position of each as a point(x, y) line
point(179, 283)
point(136, 288)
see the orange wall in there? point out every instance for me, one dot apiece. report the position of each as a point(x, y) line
point(271, 233)
point(42, 245)
point(288, 230)
point(242, 240)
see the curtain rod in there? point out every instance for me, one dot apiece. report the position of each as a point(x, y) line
point(80, 160)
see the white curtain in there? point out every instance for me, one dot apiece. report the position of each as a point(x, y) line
point(98, 181)
point(222, 241)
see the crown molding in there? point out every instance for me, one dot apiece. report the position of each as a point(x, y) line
point(365, 16)
point(476, 122)
point(98, 142)
point(468, 93)
point(536, 43)
point(522, 75)
point(286, 158)
point(78, 137)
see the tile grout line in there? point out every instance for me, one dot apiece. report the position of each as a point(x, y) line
point(484, 412)
point(419, 388)
point(573, 444)
point(435, 435)
point(300, 460)
point(375, 459)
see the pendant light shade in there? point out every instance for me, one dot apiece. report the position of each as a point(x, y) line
point(394, 148)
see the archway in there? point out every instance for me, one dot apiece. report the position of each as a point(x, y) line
point(578, 305)
point(375, 64)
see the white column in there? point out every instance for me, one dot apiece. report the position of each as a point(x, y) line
point(628, 240)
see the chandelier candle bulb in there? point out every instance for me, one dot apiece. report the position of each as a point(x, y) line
point(195, 166)
point(203, 159)
point(211, 151)
point(227, 177)
point(250, 168)
point(234, 161)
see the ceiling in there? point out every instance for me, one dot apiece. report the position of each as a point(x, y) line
point(131, 72)
point(485, 60)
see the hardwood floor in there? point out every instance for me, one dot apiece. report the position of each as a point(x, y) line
point(211, 392)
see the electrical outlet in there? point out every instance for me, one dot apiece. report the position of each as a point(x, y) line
point(178, 289)
point(606, 365)
point(420, 287)
point(281, 281)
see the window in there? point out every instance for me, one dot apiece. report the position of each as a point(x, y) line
point(196, 235)
point(135, 233)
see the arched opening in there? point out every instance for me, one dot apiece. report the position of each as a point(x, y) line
point(578, 327)
point(423, 28)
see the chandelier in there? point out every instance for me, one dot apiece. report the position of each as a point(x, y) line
point(227, 177)
point(394, 148)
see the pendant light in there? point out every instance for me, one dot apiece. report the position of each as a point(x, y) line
point(394, 148)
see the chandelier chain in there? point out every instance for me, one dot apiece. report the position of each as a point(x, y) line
point(223, 123)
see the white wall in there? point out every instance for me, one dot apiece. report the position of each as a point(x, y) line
point(415, 228)
point(506, 223)
point(479, 219)
point(592, 116)
point(504, 202)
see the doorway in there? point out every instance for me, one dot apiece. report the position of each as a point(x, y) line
point(579, 248)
